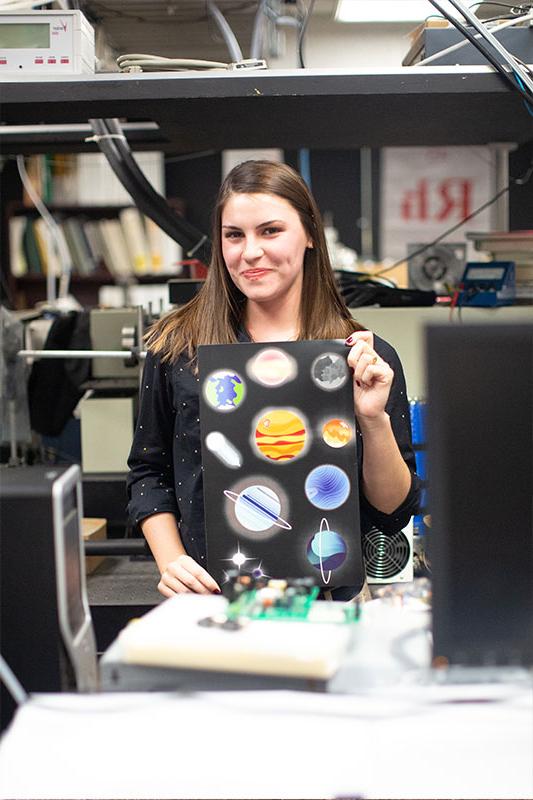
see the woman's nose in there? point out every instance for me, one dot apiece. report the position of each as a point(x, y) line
point(252, 249)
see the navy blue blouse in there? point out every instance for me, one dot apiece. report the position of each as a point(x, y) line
point(165, 459)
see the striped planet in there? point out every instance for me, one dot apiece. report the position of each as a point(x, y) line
point(257, 508)
point(280, 435)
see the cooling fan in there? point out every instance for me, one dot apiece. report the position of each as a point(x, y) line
point(389, 557)
point(437, 267)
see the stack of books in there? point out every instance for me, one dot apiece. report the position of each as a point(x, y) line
point(128, 244)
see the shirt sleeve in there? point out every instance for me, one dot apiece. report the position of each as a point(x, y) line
point(398, 409)
point(150, 480)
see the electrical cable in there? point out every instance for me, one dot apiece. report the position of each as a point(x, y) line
point(58, 238)
point(303, 31)
point(521, 181)
point(443, 235)
point(12, 683)
point(504, 25)
point(154, 63)
point(258, 30)
point(486, 53)
point(149, 202)
point(186, 229)
point(507, 57)
point(526, 104)
point(226, 32)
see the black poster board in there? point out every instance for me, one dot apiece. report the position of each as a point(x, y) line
point(279, 459)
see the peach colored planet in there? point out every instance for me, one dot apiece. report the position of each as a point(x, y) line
point(336, 433)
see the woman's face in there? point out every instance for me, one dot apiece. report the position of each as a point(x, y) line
point(263, 246)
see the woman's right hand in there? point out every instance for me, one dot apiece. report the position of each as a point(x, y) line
point(184, 575)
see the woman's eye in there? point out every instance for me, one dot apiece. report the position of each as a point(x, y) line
point(232, 235)
point(270, 231)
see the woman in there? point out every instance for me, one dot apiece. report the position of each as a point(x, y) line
point(270, 279)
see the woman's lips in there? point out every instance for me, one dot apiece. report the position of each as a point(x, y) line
point(254, 274)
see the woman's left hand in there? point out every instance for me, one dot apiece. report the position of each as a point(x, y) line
point(372, 377)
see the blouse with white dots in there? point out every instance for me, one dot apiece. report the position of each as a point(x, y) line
point(166, 465)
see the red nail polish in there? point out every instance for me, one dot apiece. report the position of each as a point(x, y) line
point(348, 340)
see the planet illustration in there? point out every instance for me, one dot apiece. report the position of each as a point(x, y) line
point(336, 432)
point(326, 550)
point(272, 367)
point(257, 508)
point(280, 435)
point(329, 371)
point(327, 486)
point(224, 390)
point(223, 449)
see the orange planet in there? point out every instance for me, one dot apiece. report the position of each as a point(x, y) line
point(280, 435)
point(336, 433)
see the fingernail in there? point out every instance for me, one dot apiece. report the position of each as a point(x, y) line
point(349, 340)
point(217, 591)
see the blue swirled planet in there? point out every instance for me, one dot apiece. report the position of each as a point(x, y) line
point(326, 550)
point(327, 487)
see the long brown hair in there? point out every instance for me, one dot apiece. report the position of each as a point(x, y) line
point(215, 314)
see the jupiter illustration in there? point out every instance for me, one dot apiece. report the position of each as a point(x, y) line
point(280, 435)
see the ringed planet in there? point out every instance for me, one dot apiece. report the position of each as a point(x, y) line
point(326, 550)
point(257, 508)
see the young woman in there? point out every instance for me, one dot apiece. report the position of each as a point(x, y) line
point(270, 279)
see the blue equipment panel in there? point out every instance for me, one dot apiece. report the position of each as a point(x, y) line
point(488, 284)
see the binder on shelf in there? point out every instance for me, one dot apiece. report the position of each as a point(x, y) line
point(137, 243)
point(115, 242)
point(18, 263)
point(45, 241)
point(31, 249)
point(166, 254)
point(96, 243)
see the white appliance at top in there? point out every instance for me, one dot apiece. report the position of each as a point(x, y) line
point(41, 43)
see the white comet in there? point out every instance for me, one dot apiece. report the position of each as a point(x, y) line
point(223, 449)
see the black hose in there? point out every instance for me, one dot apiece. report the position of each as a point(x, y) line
point(148, 201)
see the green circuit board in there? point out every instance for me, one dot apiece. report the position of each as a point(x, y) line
point(283, 600)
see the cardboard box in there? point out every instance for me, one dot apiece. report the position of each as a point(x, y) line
point(94, 529)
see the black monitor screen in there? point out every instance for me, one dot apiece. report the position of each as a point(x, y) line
point(480, 447)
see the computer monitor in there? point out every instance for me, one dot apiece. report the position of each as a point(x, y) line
point(480, 450)
point(46, 631)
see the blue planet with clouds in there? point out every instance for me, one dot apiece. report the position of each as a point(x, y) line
point(326, 550)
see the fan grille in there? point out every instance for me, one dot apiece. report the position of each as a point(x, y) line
point(385, 555)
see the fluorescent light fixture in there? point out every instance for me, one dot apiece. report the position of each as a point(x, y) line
point(386, 10)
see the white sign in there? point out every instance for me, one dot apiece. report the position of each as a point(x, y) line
point(426, 190)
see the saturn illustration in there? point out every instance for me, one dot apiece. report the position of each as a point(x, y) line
point(326, 550)
point(257, 508)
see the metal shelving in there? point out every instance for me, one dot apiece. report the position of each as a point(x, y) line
point(282, 108)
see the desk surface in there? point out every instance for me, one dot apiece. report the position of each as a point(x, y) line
point(400, 742)
point(400, 733)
